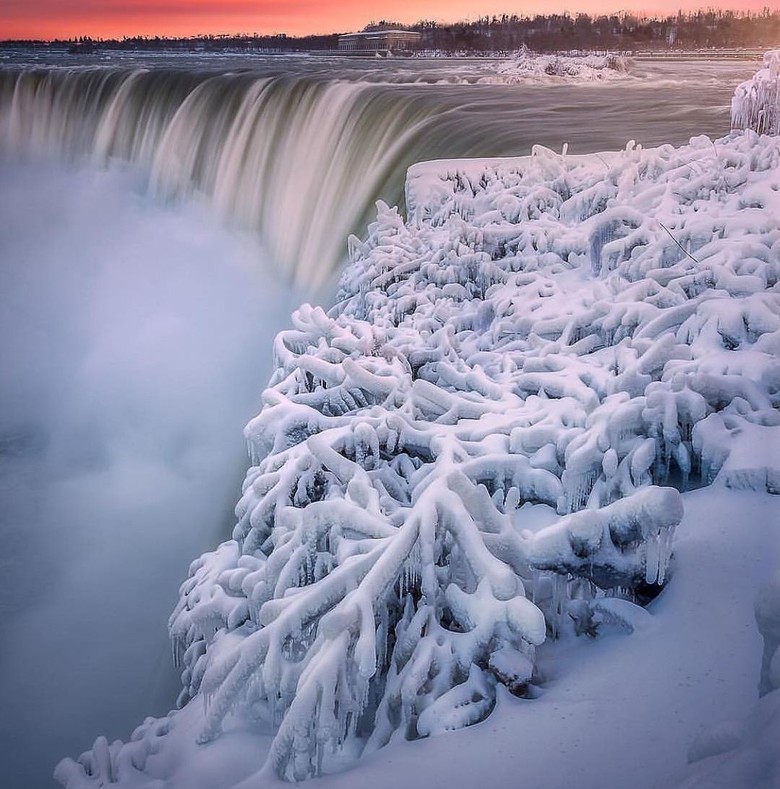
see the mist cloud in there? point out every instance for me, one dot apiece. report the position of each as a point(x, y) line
point(135, 342)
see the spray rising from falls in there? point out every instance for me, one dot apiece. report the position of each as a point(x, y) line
point(298, 160)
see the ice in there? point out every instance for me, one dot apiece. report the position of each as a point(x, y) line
point(756, 103)
point(767, 610)
point(524, 66)
point(741, 754)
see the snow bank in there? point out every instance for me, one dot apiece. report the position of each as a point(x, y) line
point(744, 754)
point(756, 102)
point(768, 619)
point(526, 66)
point(587, 334)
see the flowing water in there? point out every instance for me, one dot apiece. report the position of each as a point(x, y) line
point(159, 217)
point(299, 157)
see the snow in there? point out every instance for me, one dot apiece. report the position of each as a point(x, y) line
point(592, 338)
point(768, 619)
point(619, 710)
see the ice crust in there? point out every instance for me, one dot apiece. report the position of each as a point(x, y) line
point(591, 333)
point(756, 102)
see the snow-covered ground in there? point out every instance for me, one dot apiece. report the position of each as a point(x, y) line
point(475, 457)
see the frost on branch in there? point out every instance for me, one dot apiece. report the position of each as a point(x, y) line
point(379, 584)
point(756, 102)
point(582, 337)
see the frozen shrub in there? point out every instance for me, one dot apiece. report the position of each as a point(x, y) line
point(756, 102)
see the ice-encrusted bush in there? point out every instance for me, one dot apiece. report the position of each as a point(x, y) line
point(591, 334)
point(756, 102)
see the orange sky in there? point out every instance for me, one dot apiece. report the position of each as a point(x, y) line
point(46, 19)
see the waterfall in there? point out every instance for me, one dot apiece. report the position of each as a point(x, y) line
point(298, 151)
point(298, 160)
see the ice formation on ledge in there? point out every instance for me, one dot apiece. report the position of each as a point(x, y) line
point(581, 335)
point(525, 65)
point(756, 102)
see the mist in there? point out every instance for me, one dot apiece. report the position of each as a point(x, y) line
point(134, 343)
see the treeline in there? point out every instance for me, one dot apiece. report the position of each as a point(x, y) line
point(703, 29)
point(505, 33)
point(208, 43)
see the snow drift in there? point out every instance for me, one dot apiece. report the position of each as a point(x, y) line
point(590, 335)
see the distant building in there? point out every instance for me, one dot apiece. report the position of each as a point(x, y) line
point(381, 41)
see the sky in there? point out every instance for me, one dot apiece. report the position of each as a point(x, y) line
point(46, 19)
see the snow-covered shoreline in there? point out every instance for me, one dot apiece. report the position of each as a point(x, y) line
point(480, 449)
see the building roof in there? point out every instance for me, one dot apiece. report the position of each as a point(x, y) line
point(367, 33)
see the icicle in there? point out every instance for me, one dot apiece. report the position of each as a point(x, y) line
point(652, 558)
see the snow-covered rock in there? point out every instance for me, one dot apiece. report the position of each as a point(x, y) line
point(591, 334)
point(756, 102)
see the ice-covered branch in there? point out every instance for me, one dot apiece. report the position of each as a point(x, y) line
point(756, 102)
point(475, 363)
